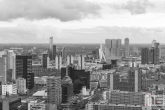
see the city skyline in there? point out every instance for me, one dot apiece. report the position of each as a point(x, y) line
point(81, 21)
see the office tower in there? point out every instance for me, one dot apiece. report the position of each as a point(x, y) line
point(21, 85)
point(24, 69)
point(154, 55)
point(30, 80)
point(151, 55)
point(10, 102)
point(9, 88)
point(58, 62)
point(67, 88)
point(145, 56)
point(64, 55)
point(153, 43)
point(11, 56)
point(112, 50)
point(130, 82)
point(23, 66)
point(81, 61)
point(8, 57)
point(79, 78)
point(51, 48)
point(54, 91)
point(69, 60)
point(3, 71)
point(54, 52)
point(126, 47)
point(45, 61)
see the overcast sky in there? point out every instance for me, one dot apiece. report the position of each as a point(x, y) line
point(81, 21)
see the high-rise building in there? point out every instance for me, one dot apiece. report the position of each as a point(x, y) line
point(151, 55)
point(64, 55)
point(69, 60)
point(21, 85)
point(45, 59)
point(58, 62)
point(54, 52)
point(81, 61)
point(24, 69)
point(126, 47)
point(54, 92)
point(79, 78)
point(23, 66)
point(3, 71)
point(67, 88)
point(8, 59)
point(112, 49)
point(51, 48)
point(145, 56)
point(132, 81)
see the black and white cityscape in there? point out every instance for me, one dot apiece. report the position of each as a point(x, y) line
point(82, 54)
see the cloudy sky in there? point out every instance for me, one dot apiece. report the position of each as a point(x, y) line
point(81, 21)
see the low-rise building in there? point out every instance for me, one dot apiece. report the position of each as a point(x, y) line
point(12, 102)
point(21, 85)
point(9, 89)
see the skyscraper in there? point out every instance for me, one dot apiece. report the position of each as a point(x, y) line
point(112, 50)
point(151, 55)
point(67, 88)
point(3, 71)
point(45, 60)
point(126, 47)
point(54, 92)
point(69, 59)
point(24, 69)
point(54, 52)
point(8, 57)
point(51, 48)
point(58, 62)
point(64, 55)
point(81, 61)
point(79, 78)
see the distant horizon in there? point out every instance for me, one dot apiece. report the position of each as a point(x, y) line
point(77, 43)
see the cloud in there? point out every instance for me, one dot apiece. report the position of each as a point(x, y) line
point(138, 6)
point(134, 6)
point(136, 34)
point(64, 10)
point(25, 33)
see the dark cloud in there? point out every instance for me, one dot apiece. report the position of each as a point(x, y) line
point(64, 10)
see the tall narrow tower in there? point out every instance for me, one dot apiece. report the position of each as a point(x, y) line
point(51, 48)
point(126, 46)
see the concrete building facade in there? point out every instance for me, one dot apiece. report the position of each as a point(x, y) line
point(9, 89)
point(54, 92)
point(126, 46)
point(21, 85)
